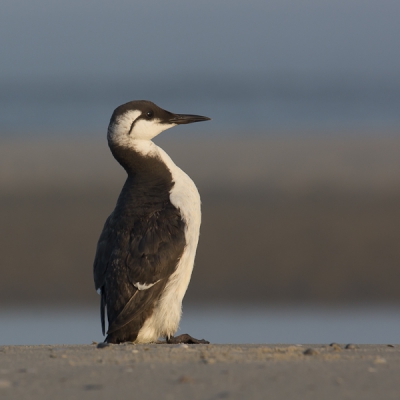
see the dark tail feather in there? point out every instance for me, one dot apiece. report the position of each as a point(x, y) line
point(112, 338)
point(125, 316)
point(102, 312)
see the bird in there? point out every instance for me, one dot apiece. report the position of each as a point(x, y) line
point(145, 254)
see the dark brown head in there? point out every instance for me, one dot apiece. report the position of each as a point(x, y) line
point(143, 120)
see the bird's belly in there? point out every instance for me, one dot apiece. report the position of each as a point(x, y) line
point(164, 321)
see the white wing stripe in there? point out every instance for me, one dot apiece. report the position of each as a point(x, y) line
point(144, 286)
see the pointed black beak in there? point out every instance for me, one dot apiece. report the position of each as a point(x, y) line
point(180, 119)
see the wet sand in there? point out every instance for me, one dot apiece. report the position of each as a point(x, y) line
point(200, 372)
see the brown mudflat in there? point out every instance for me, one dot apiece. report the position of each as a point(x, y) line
point(312, 219)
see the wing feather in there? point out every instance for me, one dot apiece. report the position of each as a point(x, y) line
point(145, 249)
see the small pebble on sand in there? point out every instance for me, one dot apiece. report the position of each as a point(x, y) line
point(4, 384)
point(310, 352)
point(185, 379)
point(102, 345)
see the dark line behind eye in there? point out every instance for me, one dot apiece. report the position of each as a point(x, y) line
point(133, 124)
point(140, 117)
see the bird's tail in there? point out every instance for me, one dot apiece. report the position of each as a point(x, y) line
point(103, 312)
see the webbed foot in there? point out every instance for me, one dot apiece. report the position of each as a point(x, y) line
point(185, 338)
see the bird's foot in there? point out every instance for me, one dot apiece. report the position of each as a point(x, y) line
point(185, 338)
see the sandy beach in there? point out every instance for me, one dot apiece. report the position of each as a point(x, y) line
point(334, 371)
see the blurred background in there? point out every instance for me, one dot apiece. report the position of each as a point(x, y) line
point(299, 169)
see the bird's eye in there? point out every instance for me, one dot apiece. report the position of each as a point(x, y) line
point(149, 114)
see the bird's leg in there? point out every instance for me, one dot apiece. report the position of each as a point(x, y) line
point(185, 338)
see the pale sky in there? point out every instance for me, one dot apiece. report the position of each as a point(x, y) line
point(75, 38)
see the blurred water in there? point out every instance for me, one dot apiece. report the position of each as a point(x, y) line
point(303, 324)
point(240, 103)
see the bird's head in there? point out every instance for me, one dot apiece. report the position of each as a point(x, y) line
point(143, 120)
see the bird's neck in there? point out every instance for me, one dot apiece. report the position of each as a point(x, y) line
point(149, 179)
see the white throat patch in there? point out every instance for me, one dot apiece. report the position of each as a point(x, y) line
point(147, 130)
point(120, 131)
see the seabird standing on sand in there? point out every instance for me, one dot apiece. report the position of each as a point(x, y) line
point(146, 251)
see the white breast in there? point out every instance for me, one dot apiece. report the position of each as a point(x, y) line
point(184, 196)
